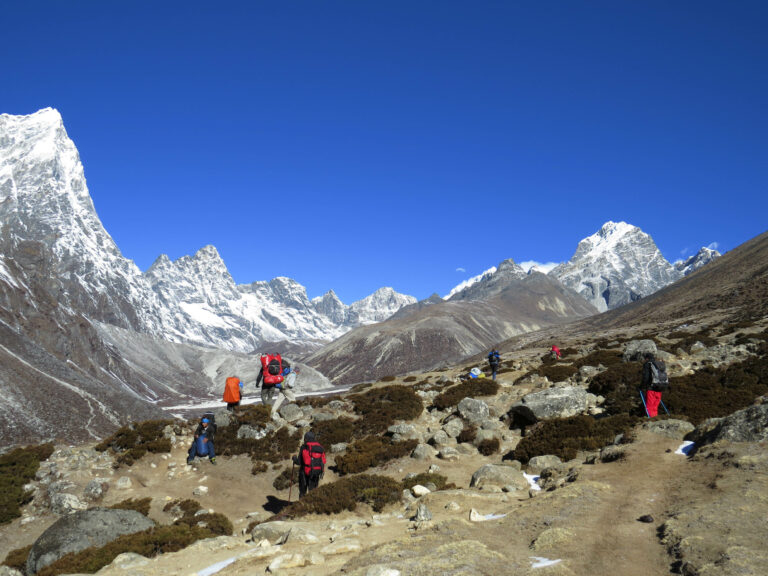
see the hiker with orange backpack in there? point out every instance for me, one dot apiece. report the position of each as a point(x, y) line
point(233, 392)
point(270, 377)
point(311, 462)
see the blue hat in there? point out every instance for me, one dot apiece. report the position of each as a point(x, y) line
point(205, 420)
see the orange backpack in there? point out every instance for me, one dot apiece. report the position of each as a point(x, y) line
point(232, 390)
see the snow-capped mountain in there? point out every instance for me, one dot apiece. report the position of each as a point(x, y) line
point(379, 306)
point(618, 264)
point(492, 281)
point(702, 257)
point(470, 281)
point(44, 198)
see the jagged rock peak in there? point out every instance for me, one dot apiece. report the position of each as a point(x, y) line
point(702, 257)
point(380, 305)
point(618, 264)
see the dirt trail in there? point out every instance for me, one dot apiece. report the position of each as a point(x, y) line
point(611, 540)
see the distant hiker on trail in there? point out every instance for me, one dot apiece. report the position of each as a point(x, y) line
point(270, 377)
point(202, 445)
point(655, 381)
point(233, 392)
point(284, 389)
point(311, 462)
point(554, 352)
point(494, 358)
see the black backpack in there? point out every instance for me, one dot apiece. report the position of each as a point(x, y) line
point(316, 466)
point(659, 378)
point(274, 367)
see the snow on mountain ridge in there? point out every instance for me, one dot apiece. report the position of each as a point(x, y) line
point(44, 199)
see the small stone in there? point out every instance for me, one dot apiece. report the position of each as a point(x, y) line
point(419, 490)
point(200, 491)
point(647, 518)
point(123, 483)
point(422, 514)
point(453, 506)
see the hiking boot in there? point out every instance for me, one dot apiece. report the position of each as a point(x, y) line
point(190, 461)
point(213, 461)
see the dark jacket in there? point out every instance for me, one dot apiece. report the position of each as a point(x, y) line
point(647, 382)
point(494, 358)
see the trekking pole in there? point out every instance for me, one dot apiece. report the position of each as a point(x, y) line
point(665, 408)
point(291, 488)
point(644, 406)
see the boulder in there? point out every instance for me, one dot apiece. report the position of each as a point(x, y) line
point(499, 476)
point(63, 503)
point(473, 410)
point(96, 489)
point(223, 417)
point(404, 431)
point(250, 432)
point(538, 463)
point(423, 452)
point(440, 438)
point(636, 349)
point(453, 427)
point(550, 403)
point(422, 514)
point(747, 425)
point(81, 530)
point(291, 412)
point(671, 428)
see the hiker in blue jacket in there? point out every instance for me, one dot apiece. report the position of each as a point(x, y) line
point(202, 445)
point(494, 359)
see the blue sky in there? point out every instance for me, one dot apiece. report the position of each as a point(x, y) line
point(353, 145)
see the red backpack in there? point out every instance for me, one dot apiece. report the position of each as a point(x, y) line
point(313, 458)
point(272, 369)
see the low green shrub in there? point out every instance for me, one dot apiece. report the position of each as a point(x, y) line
point(687, 339)
point(334, 431)
point(469, 389)
point(410, 379)
point(425, 478)
point(140, 505)
point(716, 392)
point(17, 559)
point(259, 467)
point(132, 442)
point(372, 451)
point(606, 358)
point(255, 415)
point(467, 435)
point(18, 468)
point(388, 379)
point(379, 408)
point(216, 523)
point(489, 446)
point(346, 494)
point(564, 437)
point(149, 543)
point(274, 447)
point(283, 480)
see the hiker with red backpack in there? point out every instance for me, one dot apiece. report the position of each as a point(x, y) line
point(233, 392)
point(311, 462)
point(270, 377)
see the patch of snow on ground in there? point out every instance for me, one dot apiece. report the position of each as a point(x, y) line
point(532, 480)
point(212, 569)
point(539, 562)
point(685, 448)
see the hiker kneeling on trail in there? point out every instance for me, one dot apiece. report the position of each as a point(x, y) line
point(284, 388)
point(655, 381)
point(311, 462)
point(202, 445)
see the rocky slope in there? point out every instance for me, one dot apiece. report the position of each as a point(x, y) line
point(425, 335)
point(632, 508)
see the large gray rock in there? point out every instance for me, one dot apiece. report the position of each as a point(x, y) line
point(453, 427)
point(81, 530)
point(636, 349)
point(671, 428)
point(550, 403)
point(246, 431)
point(474, 411)
point(538, 463)
point(291, 412)
point(747, 425)
point(499, 476)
